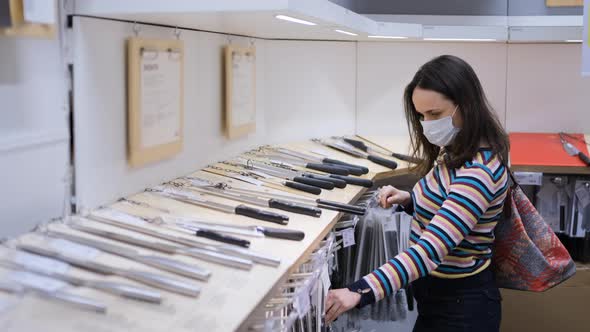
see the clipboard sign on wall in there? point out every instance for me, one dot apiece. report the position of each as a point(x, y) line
point(240, 91)
point(155, 93)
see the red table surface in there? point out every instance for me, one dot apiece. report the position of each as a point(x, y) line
point(544, 149)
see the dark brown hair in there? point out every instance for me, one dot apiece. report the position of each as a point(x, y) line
point(455, 80)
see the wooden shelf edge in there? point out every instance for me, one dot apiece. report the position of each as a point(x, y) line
point(580, 170)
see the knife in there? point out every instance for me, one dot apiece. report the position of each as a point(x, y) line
point(362, 146)
point(256, 231)
point(147, 278)
point(573, 151)
point(159, 262)
point(272, 203)
point(124, 290)
point(211, 251)
point(240, 209)
point(352, 168)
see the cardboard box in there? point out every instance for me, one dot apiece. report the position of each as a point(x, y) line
point(566, 307)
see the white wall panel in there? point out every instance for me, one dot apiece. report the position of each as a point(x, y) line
point(310, 89)
point(304, 89)
point(384, 70)
point(546, 92)
point(34, 186)
point(33, 133)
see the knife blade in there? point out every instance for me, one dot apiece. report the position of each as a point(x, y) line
point(130, 222)
point(573, 151)
point(159, 262)
point(124, 290)
point(150, 279)
point(240, 209)
point(279, 233)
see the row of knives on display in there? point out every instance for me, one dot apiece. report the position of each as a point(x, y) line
point(38, 262)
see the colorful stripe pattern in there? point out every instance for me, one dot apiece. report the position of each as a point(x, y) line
point(455, 212)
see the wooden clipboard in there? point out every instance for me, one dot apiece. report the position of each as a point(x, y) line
point(155, 83)
point(564, 3)
point(240, 91)
point(22, 28)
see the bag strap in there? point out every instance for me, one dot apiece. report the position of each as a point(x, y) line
point(512, 177)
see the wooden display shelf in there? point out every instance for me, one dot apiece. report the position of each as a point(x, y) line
point(227, 299)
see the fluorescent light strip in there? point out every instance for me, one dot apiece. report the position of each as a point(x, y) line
point(573, 41)
point(293, 19)
point(388, 37)
point(462, 39)
point(346, 32)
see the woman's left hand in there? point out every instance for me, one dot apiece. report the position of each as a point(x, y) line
point(340, 301)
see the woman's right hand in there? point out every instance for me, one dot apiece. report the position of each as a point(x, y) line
point(390, 195)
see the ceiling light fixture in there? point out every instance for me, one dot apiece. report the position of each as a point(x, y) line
point(388, 37)
point(573, 41)
point(462, 39)
point(346, 32)
point(294, 20)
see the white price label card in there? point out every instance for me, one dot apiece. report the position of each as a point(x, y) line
point(390, 226)
point(74, 249)
point(529, 178)
point(303, 303)
point(325, 278)
point(40, 262)
point(119, 216)
point(36, 281)
point(583, 195)
point(348, 237)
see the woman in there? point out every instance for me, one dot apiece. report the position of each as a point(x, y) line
point(455, 206)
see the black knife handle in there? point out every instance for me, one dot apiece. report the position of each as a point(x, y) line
point(357, 144)
point(341, 205)
point(294, 207)
point(407, 158)
point(303, 187)
point(355, 181)
point(337, 182)
point(364, 169)
point(382, 161)
point(584, 158)
point(332, 169)
point(352, 170)
point(215, 236)
point(339, 209)
point(262, 215)
point(285, 234)
point(314, 182)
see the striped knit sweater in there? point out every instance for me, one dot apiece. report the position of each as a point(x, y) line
point(454, 215)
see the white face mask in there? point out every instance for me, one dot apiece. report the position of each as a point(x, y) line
point(440, 132)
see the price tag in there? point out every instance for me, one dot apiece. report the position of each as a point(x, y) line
point(314, 292)
point(390, 226)
point(529, 178)
point(302, 301)
point(583, 195)
point(36, 281)
point(119, 216)
point(325, 278)
point(40, 262)
point(348, 237)
point(74, 249)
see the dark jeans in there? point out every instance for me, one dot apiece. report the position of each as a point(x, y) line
point(467, 304)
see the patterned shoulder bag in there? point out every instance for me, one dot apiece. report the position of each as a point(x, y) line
point(527, 255)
